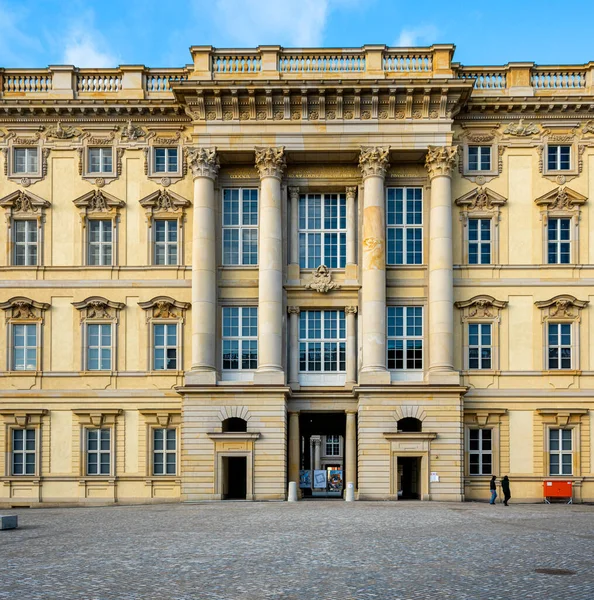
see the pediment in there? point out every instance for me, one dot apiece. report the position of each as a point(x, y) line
point(562, 198)
point(481, 198)
point(21, 201)
point(164, 201)
point(98, 201)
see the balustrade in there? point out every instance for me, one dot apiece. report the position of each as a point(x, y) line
point(98, 82)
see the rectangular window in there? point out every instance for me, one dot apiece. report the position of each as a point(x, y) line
point(240, 338)
point(559, 158)
point(165, 347)
point(166, 242)
point(240, 226)
point(322, 341)
point(405, 337)
point(560, 452)
point(23, 452)
point(100, 160)
point(100, 242)
point(332, 445)
point(322, 231)
point(559, 345)
point(479, 241)
point(24, 347)
point(165, 160)
point(479, 346)
point(98, 451)
point(480, 452)
point(404, 219)
point(164, 451)
point(25, 160)
point(25, 243)
point(479, 158)
point(559, 241)
point(99, 347)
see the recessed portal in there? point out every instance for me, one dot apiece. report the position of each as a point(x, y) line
point(409, 476)
point(235, 477)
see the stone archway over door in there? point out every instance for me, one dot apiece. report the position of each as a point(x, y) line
point(410, 445)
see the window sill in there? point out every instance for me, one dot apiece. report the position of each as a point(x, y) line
point(236, 267)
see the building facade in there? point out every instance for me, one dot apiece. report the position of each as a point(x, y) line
point(374, 262)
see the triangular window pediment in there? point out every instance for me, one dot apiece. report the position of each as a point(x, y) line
point(481, 199)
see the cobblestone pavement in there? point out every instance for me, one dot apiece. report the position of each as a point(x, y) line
point(312, 549)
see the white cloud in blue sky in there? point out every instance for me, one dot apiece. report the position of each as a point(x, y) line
point(100, 33)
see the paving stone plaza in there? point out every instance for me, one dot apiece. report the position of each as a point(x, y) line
point(311, 549)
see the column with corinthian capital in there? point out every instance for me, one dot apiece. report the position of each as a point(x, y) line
point(293, 346)
point(351, 349)
point(439, 163)
point(271, 165)
point(374, 163)
point(204, 163)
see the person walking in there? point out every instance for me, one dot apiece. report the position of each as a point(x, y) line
point(493, 488)
point(505, 490)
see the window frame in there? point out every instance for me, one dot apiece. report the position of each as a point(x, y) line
point(481, 451)
point(481, 149)
point(558, 243)
point(166, 323)
point(167, 172)
point(480, 346)
point(102, 150)
point(574, 160)
point(558, 159)
point(100, 323)
point(166, 243)
point(560, 346)
point(405, 338)
point(336, 444)
point(491, 141)
point(35, 452)
point(112, 228)
point(560, 452)
point(335, 261)
point(16, 244)
point(29, 151)
point(405, 227)
point(165, 452)
point(322, 341)
point(99, 451)
point(479, 241)
point(240, 228)
point(240, 338)
point(12, 334)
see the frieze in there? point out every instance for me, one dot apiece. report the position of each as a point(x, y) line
point(522, 129)
point(60, 132)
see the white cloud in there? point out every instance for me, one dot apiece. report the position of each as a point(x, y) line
point(297, 23)
point(423, 35)
point(86, 47)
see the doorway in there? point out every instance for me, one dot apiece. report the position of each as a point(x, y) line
point(409, 473)
point(235, 478)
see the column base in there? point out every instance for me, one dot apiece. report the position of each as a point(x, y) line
point(269, 377)
point(195, 377)
point(443, 377)
point(379, 377)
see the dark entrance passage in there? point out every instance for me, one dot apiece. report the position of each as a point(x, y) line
point(409, 470)
point(235, 473)
point(322, 454)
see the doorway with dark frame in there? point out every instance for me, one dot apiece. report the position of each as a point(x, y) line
point(235, 477)
point(409, 471)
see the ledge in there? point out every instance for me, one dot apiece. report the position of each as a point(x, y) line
point(233, 435)
point(409, 435)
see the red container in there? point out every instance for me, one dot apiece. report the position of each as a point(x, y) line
point(554, 488)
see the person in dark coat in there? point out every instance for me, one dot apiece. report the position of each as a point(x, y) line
point(493, 488)
point(505, 490)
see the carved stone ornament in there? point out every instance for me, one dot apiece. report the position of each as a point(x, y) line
point(164, 307)
point(588, 127)
point(351, 193)
point(350, 310)
point(481, 199)
point(440, 160)
point(131, 132)
point(293, 310)
point(561, 199)
point(322, 281)
point(21, 202)
point(204, 162)
point(97, 307)
point(23, 308)
point(522, 129)
point(562, 306)
point(374, 161)
point(60, 132)
point(481, 307)
point(164, 201)
point(98, 201)
point(271, 161)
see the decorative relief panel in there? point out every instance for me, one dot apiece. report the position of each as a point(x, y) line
point(24, 309)
point(322, 281)
point(562, 307)
point(98, 308)
point(164, 307)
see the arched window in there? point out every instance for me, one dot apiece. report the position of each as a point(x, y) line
point(234, 424)
point(410, 424)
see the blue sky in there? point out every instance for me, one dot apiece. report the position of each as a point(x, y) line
point(89, 33)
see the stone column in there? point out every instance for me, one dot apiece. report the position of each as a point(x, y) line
point(271, 164)
point(439, 163)
point(204, 163)
point(350, 449)
point(294, 346)
point(294, 447)
point(351, 215)
point(351, 344)
point(316, 441)
point(294, 225)
point(374, 163)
